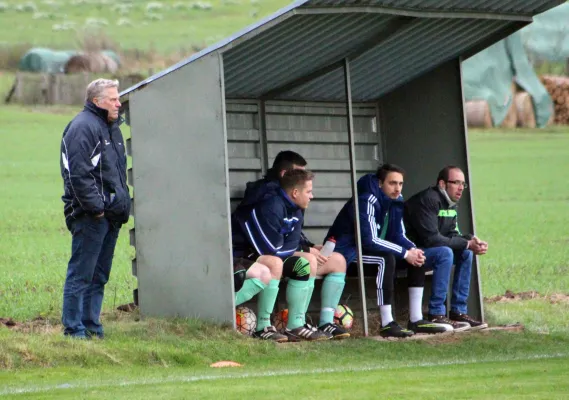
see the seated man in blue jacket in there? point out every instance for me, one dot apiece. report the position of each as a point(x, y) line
point(272, 227)
point(383, 243)
point(333, 268)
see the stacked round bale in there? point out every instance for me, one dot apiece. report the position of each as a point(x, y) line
point(91, 62)
point(558, 88)
point(520, 113)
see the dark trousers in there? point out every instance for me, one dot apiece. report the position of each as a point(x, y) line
point(382, 266)
point(92, 248)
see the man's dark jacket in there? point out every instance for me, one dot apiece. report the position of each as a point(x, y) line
point(430, 221)
point(93, 167)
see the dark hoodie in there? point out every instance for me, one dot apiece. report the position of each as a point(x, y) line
point(271, 226)
point(375, 208)
point(263, 189)
point(93, 167)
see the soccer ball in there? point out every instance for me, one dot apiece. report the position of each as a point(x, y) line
point(246, 320)
point(344, 316)
point(281, 319)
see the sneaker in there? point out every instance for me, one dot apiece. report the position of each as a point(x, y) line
point(306, 332)
point(394, 330)
point(270, 333)
point(456, 325)
point(465, 318)
point(336, 331)
point(424, 326)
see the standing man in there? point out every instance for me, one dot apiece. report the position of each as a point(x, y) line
point(431, 220)
point(97, 203)
point(383, 243)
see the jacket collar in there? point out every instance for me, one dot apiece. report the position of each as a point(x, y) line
point(288, 201)
point(443, 193)
point(370, 184)
point(102, 113)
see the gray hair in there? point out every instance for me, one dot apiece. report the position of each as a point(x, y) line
point(97, 87)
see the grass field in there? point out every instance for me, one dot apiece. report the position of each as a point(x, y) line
point(520, 209)
point(162, 25)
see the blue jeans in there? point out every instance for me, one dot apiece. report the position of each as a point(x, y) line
point(441, 260)
point(92, 249)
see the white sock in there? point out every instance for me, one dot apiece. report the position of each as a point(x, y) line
point(386, 315)
point(415, 304)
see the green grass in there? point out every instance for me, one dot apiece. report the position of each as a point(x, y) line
point(534, 379)
point(519, 210)
point(180, 26)
point(35, 242)
point(520, 199)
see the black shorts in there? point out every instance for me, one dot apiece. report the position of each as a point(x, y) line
point(240, 267)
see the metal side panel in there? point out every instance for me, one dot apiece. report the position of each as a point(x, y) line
point(425, 133)
point(317, 131)
point(183, 256)
point(243, 146)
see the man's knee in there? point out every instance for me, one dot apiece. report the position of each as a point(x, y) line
point(312, 260)
point(467, 255)
point(274, 264)
point(441, 255)
point(260, 272)
point(337, 263)
point(297, 268)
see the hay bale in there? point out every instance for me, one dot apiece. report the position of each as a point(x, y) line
point(511, 119)
point(478, 114)
point(76, 64)
point(524, 110)
point(91, 62)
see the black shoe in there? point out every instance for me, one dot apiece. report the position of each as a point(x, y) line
point(465, 318)
point(394, 330)
point(456, 325)
point(306, 332)
point(336, 331)
point(94, 335)
point(270, 333)
point(423, 326)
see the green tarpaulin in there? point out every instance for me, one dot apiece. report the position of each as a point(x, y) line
point(489, 74)
point(547, 37)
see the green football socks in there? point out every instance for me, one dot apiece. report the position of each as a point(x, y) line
point(332, 289)
point(267, 299)
point(296, 294)
point(249, 289)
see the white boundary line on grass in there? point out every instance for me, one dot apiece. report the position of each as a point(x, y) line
point(199, 378)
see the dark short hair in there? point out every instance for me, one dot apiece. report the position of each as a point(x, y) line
point(285, 160)
point(295, 178)
point(444, 173)
point(385, 169)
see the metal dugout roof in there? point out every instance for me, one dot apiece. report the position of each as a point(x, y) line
point(297, 53)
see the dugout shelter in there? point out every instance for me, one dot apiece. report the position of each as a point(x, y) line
point(346, 83)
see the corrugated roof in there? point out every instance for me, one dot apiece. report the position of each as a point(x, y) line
point(427, 43)
point(520, 7)
point(308, 36)
point(319, 40)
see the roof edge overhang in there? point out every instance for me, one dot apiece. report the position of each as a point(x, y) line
point(403, 12)
point(298, 8)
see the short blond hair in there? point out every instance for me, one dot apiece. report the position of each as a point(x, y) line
point(98, 86)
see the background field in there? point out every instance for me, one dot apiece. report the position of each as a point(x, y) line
point(165, 26)
point(519, 184)
point(518, 181)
